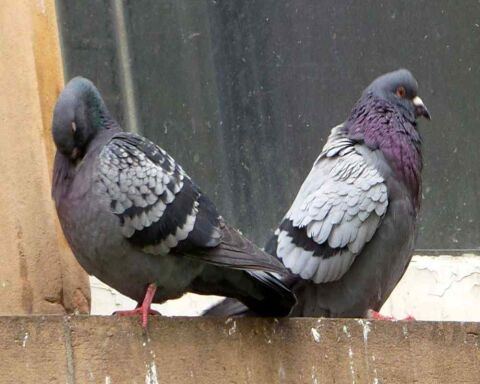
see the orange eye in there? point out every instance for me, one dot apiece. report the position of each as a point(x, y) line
point(401, 92)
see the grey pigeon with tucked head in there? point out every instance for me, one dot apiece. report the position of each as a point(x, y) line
point(349, 235)
point(136, 220)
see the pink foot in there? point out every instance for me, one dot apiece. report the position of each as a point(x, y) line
point(144, 309)
point(374, 315)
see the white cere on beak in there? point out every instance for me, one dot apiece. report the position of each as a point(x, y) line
point(74, 127)
point(417, 101)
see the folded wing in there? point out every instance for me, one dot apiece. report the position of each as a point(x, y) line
point(162, 211)
point(336, 212)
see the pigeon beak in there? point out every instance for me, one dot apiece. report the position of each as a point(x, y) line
point(420, 108)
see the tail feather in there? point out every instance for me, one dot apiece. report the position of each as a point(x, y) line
point(260, 291)
point(236, 251)
point(278, 300)
point(234, 307)
point(228, 307)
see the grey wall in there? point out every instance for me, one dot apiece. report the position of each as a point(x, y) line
point(243, 93)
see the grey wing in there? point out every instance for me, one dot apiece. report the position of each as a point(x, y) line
point(336, 212)
point(158, 206)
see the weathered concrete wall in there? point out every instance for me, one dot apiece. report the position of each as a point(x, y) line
point(178, 350)
point(438, 288)
point(37, 273)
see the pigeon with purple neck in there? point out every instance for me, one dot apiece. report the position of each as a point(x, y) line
point(350, 233)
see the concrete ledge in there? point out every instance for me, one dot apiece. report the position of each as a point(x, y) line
point(89, 349)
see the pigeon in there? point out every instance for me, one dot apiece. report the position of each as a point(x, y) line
point(134, 219)
point(349, 235)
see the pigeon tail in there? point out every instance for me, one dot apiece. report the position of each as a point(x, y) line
point(278, 300)
point(235, 251)
point(260, 291)
point(227, 307)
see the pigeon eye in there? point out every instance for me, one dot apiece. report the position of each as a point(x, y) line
point(401, 92)
point(74, 127)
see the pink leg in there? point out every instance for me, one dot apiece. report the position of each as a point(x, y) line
point(374, 315)
point(144, 308)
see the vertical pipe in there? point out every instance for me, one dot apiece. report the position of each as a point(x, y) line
point(124, 64)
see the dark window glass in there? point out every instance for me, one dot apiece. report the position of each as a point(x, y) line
point(244, 93)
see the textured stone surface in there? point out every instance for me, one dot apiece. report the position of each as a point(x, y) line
point(178, 350)
point(38, 273)
point(33, 350)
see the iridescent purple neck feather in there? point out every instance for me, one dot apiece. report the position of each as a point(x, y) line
point(380, 125)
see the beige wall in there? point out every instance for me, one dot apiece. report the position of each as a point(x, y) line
point(37, 273)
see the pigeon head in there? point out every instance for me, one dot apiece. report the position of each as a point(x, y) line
point(79, 114)
point(400, 89)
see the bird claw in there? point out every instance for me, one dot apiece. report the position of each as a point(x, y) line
point(144, 312)
point(374, 315)
point(144, 309)
point(135, 312)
